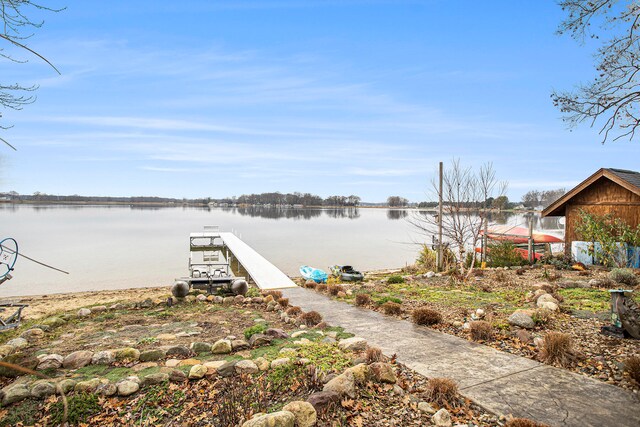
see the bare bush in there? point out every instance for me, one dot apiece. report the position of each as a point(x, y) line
point(442, 391)
point(294, 311)
point(275, 294)
point(523, 422)
point(321, 287)
point(374, 354)
point(311, 318)
point(335, 289)
point(363, 300)
point(480, 330)
point(426, 316)
point(632, 368)
point(283, 302)
point(392, 308)
point(557, 347)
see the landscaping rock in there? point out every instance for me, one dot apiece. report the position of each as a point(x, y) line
point(152, 355)
point(166, 337)
point(153, 379)
point(275, 419)
point(304, 413)
point(104, 357)
point(14, 393)
point(343, 384)
point(200, 347)
point(221, 347)
point(53, 322)
point(262, 363)
point(280, 362)
point(547, 301)
point(238, 345)
point(383, 372)
point(321, 400)
point(197, 371)
point(179, 351)
point(18, 343)
point(67, 385)
point(88, 386)
point(177, 376)
point(227, 369)
point(77, 359)
point(43, 389)
point(353, 344)
point(212, 367)
point(129, 354)
point(296, 334)
point(521, 319)
point(548, 305)
point(258, 340)
point(442, 418)
point(201, 298)
point(50, 361)
point(148, 303)
point(33, 334)
point(127, 387)
point(6, 350)
point(246, 367)
point(227, 300)
point(172, 363)
point(426, 408)
point(189, 362)
point(524, 336)
point(138, 367)
point(360, 372)
point(84, 312)
point(107, 389)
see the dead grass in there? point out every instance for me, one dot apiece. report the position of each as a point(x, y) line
point(426, 316)
point(310, 284)
point(294, 311)
point(283, 302)
point(557, 348)
point(275, 294)
point(363, 300)
point(442, 391)
point(311, 318)
point(480, 330)
point(335, 289)
point(632, 368)
point(392, 308)
point(523, 422)
point(373, 354)
point(321, 287)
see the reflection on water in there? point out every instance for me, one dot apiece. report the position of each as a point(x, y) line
point(394, 214)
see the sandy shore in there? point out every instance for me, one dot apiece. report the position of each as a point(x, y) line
point(43, 305)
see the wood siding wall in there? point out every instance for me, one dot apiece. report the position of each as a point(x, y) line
point(602, 197)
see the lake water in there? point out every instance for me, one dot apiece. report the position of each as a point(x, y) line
point(116, 247)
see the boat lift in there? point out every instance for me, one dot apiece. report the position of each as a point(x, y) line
point(8, 256)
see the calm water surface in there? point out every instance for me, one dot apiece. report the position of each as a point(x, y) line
point(115, 247)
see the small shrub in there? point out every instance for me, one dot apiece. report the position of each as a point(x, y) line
point(632, 367)
point(395, 279)
point(335, 289)
point(443, 392)
point(521, 271)
point(311, 318)
point(624, 276)
point(557, 348)
point(426, 316)
point(391, 308)
point(321, 287)
point(503, 254)
point(523, 422)
point(260, 328)
point(310, 284)
point(427, 259)
point(373, 354)
point(275, 294)
point(363, 300)
point(294, 311)
point(283, 302)
point(480, 330)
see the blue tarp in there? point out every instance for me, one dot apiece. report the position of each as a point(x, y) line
point(586, 253)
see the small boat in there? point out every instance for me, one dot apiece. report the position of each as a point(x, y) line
point(314, 274)
point(346, 273)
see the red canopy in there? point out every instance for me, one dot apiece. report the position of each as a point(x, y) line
point(519, 235)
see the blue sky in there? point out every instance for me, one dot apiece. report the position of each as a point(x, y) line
point(219, 98)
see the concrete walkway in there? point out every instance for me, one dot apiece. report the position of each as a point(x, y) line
point(500, 382)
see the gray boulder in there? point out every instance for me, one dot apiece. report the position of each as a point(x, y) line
point(14, 393)
point(344, 385)
point(77, 359)
point(275, 419)
point(353, 344)
point(521, 319)
point(127, 387)
point(442, 418)
point(304, 412)
point(50, 361)
point(42, 389)
point(221, 347)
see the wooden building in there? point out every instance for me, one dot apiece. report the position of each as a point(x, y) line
point(608, 191)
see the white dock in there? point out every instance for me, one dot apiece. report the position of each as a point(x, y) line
point(264, 274)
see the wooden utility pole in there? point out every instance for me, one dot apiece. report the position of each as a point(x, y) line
point(440, 220)
point(530, 240)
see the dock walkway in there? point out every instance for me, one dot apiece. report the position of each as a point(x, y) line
point(263, 273)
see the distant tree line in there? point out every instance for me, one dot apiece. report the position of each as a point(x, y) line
point(290, 199)
point(535, 198)
point(52, 198)
point(397, 202)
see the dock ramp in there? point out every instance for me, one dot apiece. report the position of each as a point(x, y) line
point(262, 272)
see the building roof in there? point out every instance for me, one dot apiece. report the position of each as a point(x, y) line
point(625, 178)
